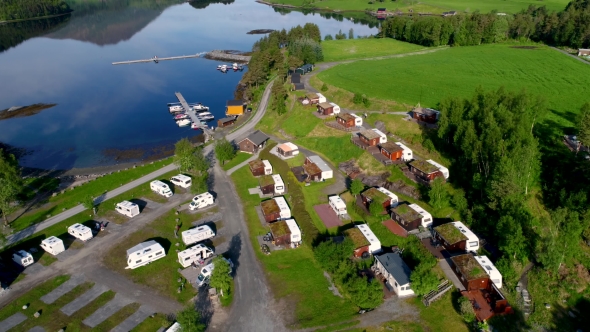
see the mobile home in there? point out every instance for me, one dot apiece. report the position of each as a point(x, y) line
point(144, 253)
point(181, 180)
point(80, 232)
point(53, 245)
point(441, 168)
point(285, 232)
point(490, 269)
point(337, 204)
point(260, 167)
point(127, 208)
point(407, 154)
point(358, 121)
point(364, 241)
point(386, 198)
point(325, 170)
point(396, 272)
point(160, 188)
point(455, 236)
point(201, 201)
point(275, 209)
point(426, 216)
point(382, 136)
point(22, 258)
point(194, 254)
point(198, 234)
point(279, 186)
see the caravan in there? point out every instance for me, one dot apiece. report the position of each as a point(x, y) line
point(279, 184)
point(53, 245)
point(194, 254)
point(80, 232)
point(407, 154)
point(337, 205)
point(198, 234)
point(144, 253)
point(207, 271)
point(181, 180)
point(441, 168)
point(22, 258)
point(161, 188)
point(201, 201)
point(127, 208)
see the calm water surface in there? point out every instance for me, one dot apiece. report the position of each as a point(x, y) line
point(100, 106)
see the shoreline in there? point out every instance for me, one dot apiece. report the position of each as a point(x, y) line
point(36, 18)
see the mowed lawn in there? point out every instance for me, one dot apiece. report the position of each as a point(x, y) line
point(338, 50)
point(561, 80)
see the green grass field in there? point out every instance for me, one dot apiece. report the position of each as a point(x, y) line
point(428, 78)
point(338, 50)
point(239, 158)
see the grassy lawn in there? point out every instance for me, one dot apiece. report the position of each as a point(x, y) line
point(441, 316)
point(345, 49)
point(458, 71)
point(335, 149)
point(239, 158)
point(95, 188)
point(153, 324)
point(300, 121)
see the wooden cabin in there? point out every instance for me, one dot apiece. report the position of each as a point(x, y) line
point(314, 173)
point(360, 242)
point(425, 171)
point(275, 209)
point(369, 137)
point(382, 196)
point(254, 142)
point(326, 108)
point(295, 78)
point(260, 167)
point(346, 120)
point(288, 149)
point(297, 86)
point(234, 107)
point(406, 217)
point(224, 122)
point(267, 184)
point(285, 232)
point(391, 150)
point(427, 115)
point(455, 236)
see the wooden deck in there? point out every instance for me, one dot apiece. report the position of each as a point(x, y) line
point(481, 307)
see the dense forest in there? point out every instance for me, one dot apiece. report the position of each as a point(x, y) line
point(566, 28)
point(24, 9)
point(12, 34)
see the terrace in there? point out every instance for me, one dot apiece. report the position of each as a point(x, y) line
point(357, 237)
point(469, 267)
point(450, 233)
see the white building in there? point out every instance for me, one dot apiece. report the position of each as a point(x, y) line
point(80, 232)
point(194, 254)
point(267, 167)
point(382, 136)
point(144, 253)
point(160, 188)
point(358, 121)
point(53, 245)
point(198, 234)
point(396, 272)
point(22, 258)
point(295, 231)
point(202, 201)
point(407, 154)
point(441, 168)
point(335, 109)
point(491, 270)
point(426, 216)
point(338, 205)
point(127, 208)
point(321, 98)
point(279, 184)
point(327, 172)
point(374, 243)
point(283, 207)
point(181, 180)
point(393, 197)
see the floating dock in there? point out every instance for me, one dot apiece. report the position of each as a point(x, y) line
point(156, 59)
point(188, 110)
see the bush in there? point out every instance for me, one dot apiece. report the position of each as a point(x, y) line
point(324, 87)
point(329, 254)
point(328, 37)
point(357, 99)
point(466, 309)
point(366, 101)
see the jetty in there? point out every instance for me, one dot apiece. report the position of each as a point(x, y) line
point(193, 114)
point(156, 59)
point(222, 55)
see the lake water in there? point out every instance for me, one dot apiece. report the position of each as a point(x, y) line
point(101, 106)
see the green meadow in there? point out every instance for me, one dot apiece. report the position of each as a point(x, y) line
point(345, 49)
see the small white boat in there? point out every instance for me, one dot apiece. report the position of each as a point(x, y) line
point(198, 107)
point(235, 66)
point(183, 122)
point(205, 116)
point(181, 116)
point(175, 108)
point(195, 126)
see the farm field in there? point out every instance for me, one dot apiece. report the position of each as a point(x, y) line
point(338, 50)
point(559, 79)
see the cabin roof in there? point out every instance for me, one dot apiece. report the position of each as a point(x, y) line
point(270, 207)
point(226, 120)
point(257, 137)
point(322, 165)
point(406, 212)
point(425, 111)
point(450, 233)
point(279, 228)
point(288, 147)
point(469, 267)
point(254, 164)
point(375, 195)
point(141, 246)
point(357, 237)
point(396, 266)
point(369, 134)
point(325, 105)
point(391, 147)
point(424, 166)
point(311, 169)
point(266, 180)
point(235, 103)
point(312, 95)
point(345, 116)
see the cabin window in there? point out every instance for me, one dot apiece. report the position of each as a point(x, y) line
point(473, 244)
point(489, 268)
point(158, 253)
point(396, 285)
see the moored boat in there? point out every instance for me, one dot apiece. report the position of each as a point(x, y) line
point(181, 116)
point(183, 122)
point(198, 107)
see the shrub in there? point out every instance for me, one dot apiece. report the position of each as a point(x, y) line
point(324, 87)
point(357, 99)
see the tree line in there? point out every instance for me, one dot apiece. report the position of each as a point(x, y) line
point(566, 28)
point(24, 9)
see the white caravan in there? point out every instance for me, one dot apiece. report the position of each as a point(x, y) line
point(283, 207)
point(127, 208)
point(336, 108)
point(337, 205)
point(198, 234)
point(201, 201)
point(321, 98)
point(206, 272)
point(144, 253)
point(394, 200)
point(441, 168)
point(194, 254)
point(327, 172)
point(472, 243)
point(181, 180)
point(267, 167)
point(53, 245)
point(160, 188)
point(490, 269)
point(358, 121)
point(22, 258)
point(80, 232)
point(382, 136)
point(279, 184)
point(295, 231)
point(407, 153)
point(374, 243)
point(426, 216)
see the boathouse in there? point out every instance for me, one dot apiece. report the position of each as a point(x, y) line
point(224, 122)
point(234, 107)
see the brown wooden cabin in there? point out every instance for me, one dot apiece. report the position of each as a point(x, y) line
point(256, 167)
point(295, 78)
point(406, 217)
point(253, 142)
point(270, 210)
point(455, 236)
point(281, 233)
point(314, 173)
point(297, 86)
point(369, 137)
point(326, 108)
point(267, 184)
point(224, 122)
point(373, 194)
point(361, 244)
point(287, 149)
point(313, 98)
point(427, 115)
point(425, 170)
point(345, 119)
point(391, 150)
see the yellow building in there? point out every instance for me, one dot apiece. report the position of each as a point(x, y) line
point(234, 107)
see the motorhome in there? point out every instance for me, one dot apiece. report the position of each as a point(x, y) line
point(194, 254)
point(80, 232)
point(127, 208)
point(382, 136)
point(53, 245)
point(160, 188)
point(279, 185)
point(337, 205)
point(22, 258)
point(441, 168)
point(201, 201)
point(207, 271)
point(144, 253)
point(181, 180)
point(198, 234)
point(407, 154)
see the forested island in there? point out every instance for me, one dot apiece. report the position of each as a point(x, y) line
point(11, 10)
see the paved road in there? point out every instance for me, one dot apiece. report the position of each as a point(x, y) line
point(571, 55)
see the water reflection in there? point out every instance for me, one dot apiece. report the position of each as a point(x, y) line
point(12, 34)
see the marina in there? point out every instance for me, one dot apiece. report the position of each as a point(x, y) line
point(197, 122)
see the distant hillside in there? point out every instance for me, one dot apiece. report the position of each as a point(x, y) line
point(25, 9)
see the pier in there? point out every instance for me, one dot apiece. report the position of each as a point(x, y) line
point(156, 59)
point(188, 110)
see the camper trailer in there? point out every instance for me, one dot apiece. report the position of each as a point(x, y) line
point(279, 185)
point(206, 272)
point(80, 232)
point(53, 245)
point(441, 168)
point(382, 136)
point(22, 258)
point(181, 180)
point(358, 121)
point(201, 201)
point(144, 253)
point(337, 205)
point(407, 154)
point(194, 254)
point(160, 188)
point(426, 216)
point(198, 234)
point(127, 208)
